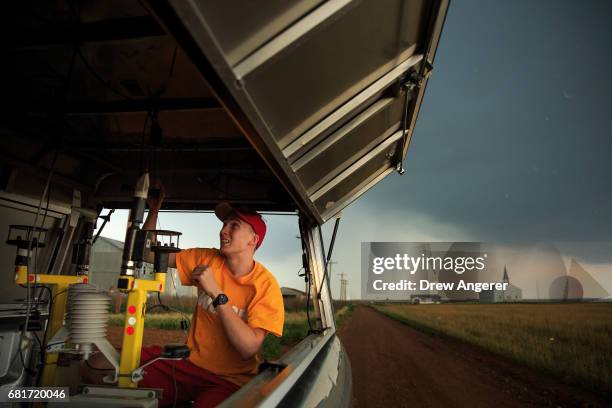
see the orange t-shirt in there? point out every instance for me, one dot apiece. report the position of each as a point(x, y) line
point(255, 297)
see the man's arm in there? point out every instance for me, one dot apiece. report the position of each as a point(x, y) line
point(151, 224)
point(245, 339)
point(151, 220)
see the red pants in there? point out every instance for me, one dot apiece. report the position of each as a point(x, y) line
point(192, 382)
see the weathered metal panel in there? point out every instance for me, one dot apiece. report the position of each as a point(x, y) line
point(328, 92)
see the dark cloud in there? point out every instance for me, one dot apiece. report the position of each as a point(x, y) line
point(512, 141)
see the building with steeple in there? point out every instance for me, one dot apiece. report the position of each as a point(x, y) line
point(511, 294)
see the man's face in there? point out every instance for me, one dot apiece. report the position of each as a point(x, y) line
point(236, 236)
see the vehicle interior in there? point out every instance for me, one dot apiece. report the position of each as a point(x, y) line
point(291, 107)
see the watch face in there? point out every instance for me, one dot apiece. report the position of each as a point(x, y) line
point(220, 300)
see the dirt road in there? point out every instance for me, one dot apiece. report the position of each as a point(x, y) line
point(396, 366)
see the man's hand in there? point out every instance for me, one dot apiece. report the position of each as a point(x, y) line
point(155, 201)
point(204, 277)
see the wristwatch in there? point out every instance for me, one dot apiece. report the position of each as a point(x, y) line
point(220, 300)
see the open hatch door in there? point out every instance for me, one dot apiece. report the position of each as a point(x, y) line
point(327, 92)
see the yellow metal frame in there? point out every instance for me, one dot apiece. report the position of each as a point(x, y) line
point(133, 326)
point(60, 285)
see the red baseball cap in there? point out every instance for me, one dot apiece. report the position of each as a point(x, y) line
point(251, 217)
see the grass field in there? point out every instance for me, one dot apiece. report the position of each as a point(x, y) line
point(572, 341)
point(294, 330)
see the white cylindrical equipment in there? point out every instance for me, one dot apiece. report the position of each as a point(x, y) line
point(87, 316)
point(74, 290)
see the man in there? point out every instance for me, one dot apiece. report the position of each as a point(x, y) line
point(239, 302)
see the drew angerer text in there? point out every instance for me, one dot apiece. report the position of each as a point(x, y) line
point(424, 284)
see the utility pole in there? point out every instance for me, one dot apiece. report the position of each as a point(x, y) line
point(346, 291)
point(343, 285)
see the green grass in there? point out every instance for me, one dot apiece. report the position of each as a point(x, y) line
point(184, 304)
point(571, 341)
point(293, 332)
point(295, 329)
point(343, 314)
point(165, 321)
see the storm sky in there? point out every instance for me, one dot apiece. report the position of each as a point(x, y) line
point(513, 139)
point(512, 142)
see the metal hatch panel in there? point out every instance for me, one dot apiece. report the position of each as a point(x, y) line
point(320, 85)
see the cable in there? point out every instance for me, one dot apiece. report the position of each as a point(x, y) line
point(43, 346)
point(30, 237)
point(42, 224)
point(40, 345)
point(307, 276)
point(99, 78)
point(162, 87)
point(310, 330)
point(167, 309)
point(142, 142)
point(329, 254)
point(42, 349)
point(152, 117)
point(92, 71)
